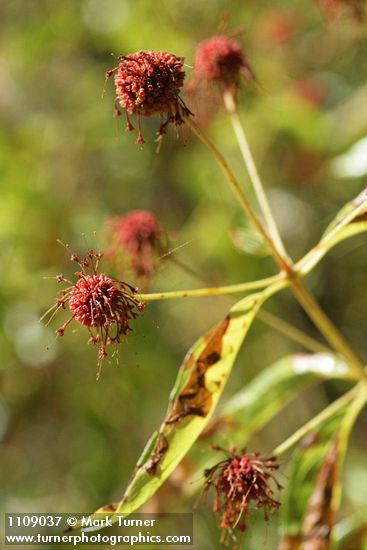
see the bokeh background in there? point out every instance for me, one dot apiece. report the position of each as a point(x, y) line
point(68, 443)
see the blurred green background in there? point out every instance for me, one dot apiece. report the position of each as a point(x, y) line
point(69, 443)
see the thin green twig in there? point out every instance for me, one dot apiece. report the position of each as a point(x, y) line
point(212, 291)
point(292, 332)
point(230, 105)
point(316, 420)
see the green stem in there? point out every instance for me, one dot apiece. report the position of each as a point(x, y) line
point(316, 420)
point(275, 322)
point(292, 332)
point(236, 188)
point(326, 327)
point(230, 105)
point(212, 291)
point(323, 323)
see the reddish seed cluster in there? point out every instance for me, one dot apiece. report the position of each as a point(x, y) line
point(103, 305)
point(140, 237)
point(149, 83)
point(221, 60)
point(239, 481)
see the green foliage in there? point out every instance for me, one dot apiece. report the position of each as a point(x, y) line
point(308, 459)
point(271, 390)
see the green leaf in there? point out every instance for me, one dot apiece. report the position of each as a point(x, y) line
point(199, 384)
point(269, 392)
point(350, 220)
point(312, 464)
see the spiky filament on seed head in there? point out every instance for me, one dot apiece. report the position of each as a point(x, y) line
point(240, 480)
point(103, 305)
point(148, 83)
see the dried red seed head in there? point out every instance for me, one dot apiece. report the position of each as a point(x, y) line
point(103, 305)
point(93, 301)
point(148, 83)
point(140, 237)
point(221, 59)
point(239, 481)
point(138, 229)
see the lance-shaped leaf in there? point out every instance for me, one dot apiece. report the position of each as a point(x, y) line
point(313, 491)
point(199, 384)
point(350, 220)
point(269, 392)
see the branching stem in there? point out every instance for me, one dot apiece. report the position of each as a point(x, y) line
point(237, 190)
point(292, 332)
point(316, 420)
point(212, 291)
point(230, 105)
point(313, 310)
point(326, 327)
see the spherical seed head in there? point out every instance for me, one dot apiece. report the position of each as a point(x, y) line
point(140, 237)
point(139, 229)
point(148, 83)
point(103, 305)
point(221, 59)
point(93, 301)
point(238, 481)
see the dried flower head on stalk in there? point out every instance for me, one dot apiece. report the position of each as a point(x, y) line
point(139, 236)
point(148, 83)
point(103, 305)
point(238, 481)
point(221, 60)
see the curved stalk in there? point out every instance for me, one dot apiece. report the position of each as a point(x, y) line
point(253, 173)
point(212, 291)
point(278, 324)
point(236, 188)
point(313, 310)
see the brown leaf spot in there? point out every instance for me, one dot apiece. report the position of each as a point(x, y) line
point(110, 507)
point(157, 454)
point(195, 398)
point(290, 542)
point(319, 518)
point(360, 218)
